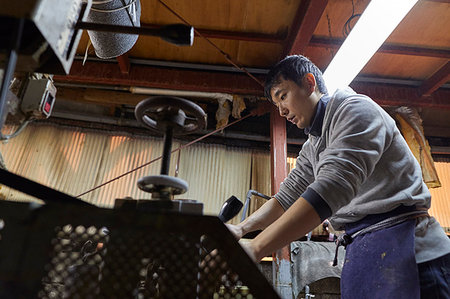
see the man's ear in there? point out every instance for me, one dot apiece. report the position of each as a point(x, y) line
point(309, 81)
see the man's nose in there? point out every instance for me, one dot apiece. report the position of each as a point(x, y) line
point(283, 111)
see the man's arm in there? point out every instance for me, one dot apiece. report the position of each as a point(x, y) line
point(262, 218)
point(296, 222)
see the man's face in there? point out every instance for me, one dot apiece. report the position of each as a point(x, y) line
point(295, 103)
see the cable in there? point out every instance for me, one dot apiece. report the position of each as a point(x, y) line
point(347, 26)
point(17, 132)
point(160, 157)
point(227, 57)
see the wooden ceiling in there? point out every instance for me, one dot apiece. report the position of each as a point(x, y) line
point(411, 68)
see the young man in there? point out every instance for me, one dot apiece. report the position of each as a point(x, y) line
point(356, 170)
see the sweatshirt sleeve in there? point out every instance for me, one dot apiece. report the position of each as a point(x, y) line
point(296, 186)
point(358, 134)
point(297, 180)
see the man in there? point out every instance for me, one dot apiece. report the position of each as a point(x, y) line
point(356, 170)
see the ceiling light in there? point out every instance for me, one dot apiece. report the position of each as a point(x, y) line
point(374, 26)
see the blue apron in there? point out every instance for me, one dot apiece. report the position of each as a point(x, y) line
point(381, 264)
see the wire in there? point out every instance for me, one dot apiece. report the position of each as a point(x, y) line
point(17, 132)
point(347, 26)
point(160, 157)
point(227, 57)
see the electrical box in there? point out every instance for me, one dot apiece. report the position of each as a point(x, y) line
point(39, 98)
point(49, 40)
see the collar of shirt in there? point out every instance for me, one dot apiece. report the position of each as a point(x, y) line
point(315, 128)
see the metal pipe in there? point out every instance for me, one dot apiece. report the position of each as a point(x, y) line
point(183, 65)
point(46, 194)
point(180, 93)
point(117, 28)
point(8, 73)
point(178, 34)
point(165, 164)
point(247, 201)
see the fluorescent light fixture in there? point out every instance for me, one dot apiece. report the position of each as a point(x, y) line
point(374, 26)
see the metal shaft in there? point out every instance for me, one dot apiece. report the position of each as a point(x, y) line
point(118, 28)
point(16, 36)
point(165, 164)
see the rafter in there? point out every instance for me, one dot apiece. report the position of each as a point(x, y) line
point(436, 80)
point(124, 63)
point(305, 22)
point(400, 95)
point(335, 43)
point(157, 77)
point(104, 73)
point(234, 35)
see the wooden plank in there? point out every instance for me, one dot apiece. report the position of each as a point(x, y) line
point(156, 77)
point(398, 95)
point(278, 157)
point(305, 22)
point(234, 35)
point(335, 43)
point(124, 63)
point(436, 80)
point(235, 83)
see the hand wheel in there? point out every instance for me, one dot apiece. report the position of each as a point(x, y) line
point(158, 183)
point(158, 113)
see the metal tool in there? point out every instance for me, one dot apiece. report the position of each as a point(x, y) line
point(230, 208)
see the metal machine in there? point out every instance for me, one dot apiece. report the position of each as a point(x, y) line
point(68, 248)
point(158, 248)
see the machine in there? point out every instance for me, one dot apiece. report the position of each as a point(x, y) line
point(68, 248)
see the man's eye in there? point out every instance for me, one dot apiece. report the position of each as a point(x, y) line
point(283, 97)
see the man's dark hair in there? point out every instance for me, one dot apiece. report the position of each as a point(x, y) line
point(293, 68)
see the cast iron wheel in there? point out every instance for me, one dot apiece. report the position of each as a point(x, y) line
point(170, 184)
point(156, 113)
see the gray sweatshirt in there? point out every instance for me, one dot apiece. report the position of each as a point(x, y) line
point(360, 165)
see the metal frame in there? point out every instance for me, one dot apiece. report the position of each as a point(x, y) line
point(29, 232)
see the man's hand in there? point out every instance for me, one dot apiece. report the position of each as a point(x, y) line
point(236, 230)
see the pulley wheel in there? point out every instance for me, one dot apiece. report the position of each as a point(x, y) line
point(156, 113)
point(169, 184)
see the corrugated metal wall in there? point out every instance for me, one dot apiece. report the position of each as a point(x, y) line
point(74, 161)
point(215, 173)
point(261, 177)
point(440, 197)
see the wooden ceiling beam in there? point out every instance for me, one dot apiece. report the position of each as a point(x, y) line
point(436, 80)
point(335, 43)
point(243, 36)
point(305, 22)
point(400, 95)
point(441, 1)
point(103, 73)
point(124, 63)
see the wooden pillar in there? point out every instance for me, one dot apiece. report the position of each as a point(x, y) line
point(282, 280)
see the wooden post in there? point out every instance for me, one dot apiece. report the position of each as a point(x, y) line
point(282, 280)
